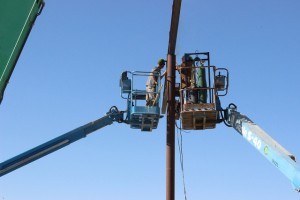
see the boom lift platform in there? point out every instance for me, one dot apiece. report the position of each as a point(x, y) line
point(201, 85)
point(139, 114)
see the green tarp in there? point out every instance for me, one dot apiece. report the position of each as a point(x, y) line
point(16, 20)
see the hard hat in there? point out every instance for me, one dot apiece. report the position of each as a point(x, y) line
point(161, 61)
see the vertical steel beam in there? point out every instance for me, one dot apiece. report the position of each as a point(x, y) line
point(170, 148)
point(171, 68)
point(174, 26)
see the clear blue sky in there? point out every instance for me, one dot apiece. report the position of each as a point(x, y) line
point(68, 75)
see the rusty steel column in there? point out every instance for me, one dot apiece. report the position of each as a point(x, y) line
point(170, 148)
point(171, 68)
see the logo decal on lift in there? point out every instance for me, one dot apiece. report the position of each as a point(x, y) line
point(251, 137)
point(266, 150)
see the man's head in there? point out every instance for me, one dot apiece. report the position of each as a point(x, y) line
point(188, 59)
point(161, 63)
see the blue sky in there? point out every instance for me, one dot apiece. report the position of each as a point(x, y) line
point(68, 75)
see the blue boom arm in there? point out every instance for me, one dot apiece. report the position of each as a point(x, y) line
point(268, 147)
point(57, 143)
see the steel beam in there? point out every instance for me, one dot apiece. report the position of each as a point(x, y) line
point(171, 68)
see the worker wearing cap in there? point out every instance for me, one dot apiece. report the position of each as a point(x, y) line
point(152, 82)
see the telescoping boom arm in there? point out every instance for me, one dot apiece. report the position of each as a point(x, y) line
point(268, 147)
point(57, 143)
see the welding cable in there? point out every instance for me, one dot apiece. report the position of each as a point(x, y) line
point(180, 148)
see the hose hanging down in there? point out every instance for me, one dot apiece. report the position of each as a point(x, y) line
point(180, 148)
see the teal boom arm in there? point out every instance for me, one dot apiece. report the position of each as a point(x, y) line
point(57, 143)
point(268, 147)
